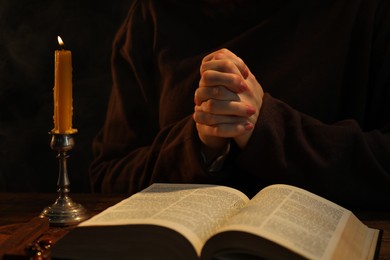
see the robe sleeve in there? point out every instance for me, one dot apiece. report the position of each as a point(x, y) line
point(132, 150)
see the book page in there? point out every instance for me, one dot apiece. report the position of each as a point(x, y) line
point(356, 241)
point(299, 220)
point(194, 210)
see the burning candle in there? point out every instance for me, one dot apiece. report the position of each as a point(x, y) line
point(63, 108)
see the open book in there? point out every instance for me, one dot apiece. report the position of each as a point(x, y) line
point(195, 221)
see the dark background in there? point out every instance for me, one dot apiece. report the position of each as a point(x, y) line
point(28, 38)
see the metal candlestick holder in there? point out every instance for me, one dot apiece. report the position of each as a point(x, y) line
point(64, 212)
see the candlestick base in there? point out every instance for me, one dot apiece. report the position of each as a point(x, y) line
point(64, 212)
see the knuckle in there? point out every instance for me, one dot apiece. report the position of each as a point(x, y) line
point(198, 114)
point(219, 54)
point(196, 117)
point(207, 75)
point(209, 105)
point(196, 93)
point(217, 131)
point(203, 118)
point(227, 65)
point(230, 65)
point(216, 92)
point(202, 82)
point(236, 79)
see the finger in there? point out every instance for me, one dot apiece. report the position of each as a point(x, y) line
point(202, 117)
point(221, 65)
point(231, 81)
point(225, 130)
point(222, 107)
point(224, 51)
point(230, 62)
point(219, 93)
point(240, 64)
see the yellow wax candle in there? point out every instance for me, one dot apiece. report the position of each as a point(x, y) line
point(63, 107)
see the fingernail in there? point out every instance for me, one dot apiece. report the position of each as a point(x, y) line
point(250, 111)
point(245, 73)
point(248, 126)
point(243, 86)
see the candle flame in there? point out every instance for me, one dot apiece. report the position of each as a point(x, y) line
point(60, 42)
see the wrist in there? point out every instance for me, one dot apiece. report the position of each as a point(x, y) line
point(210, 153)
point(213, 158)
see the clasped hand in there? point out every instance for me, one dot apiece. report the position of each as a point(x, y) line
point(227, 101)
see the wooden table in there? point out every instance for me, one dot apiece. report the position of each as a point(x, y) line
point(17, 209)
